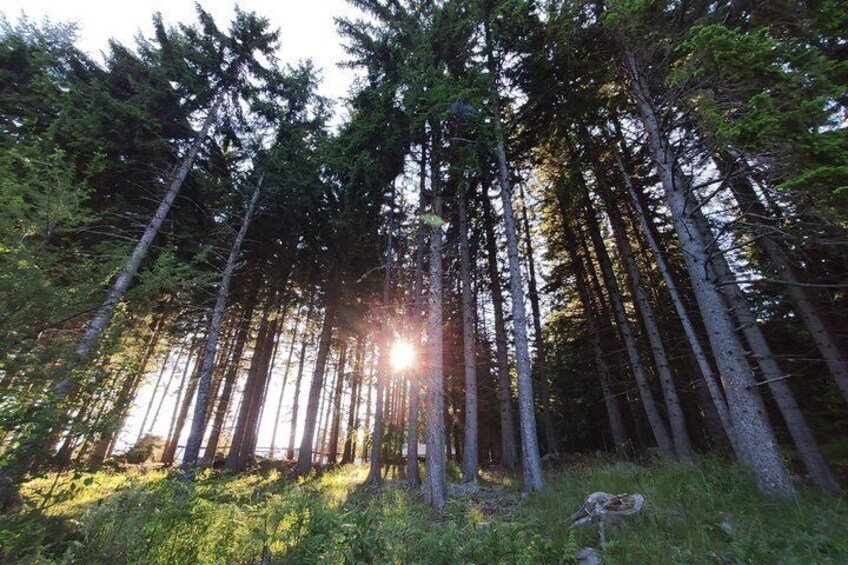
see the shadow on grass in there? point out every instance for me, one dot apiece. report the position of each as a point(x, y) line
point(697, 512)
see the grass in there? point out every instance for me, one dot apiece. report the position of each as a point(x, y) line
point(697, 512)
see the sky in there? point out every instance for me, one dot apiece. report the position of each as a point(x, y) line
point(307, 28)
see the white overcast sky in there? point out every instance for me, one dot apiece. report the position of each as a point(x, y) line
point(307, 28)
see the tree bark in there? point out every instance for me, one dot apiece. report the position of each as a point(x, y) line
point(244, 434)
point(367, 427)
point(181, 410)
point(619, 436)
point(679, 433)
point(774, 377)
point(349, 451)
point(801, 297)
point(271, 363)
point(165, 392)
point(283, 386)
point(435, 480)
point(387, 414)
point(531, 461)
point(655, 420)
point(13, 473)
point(224, 356)
point(337, 407)
point(307, 338)
point(251, 432)
point(383, 364)
point(304, 455)
point(104, 315)
point(231, 375)
point(123, 400)
point(324, 413)
point(707, 373)
point(198, 426)
point(747, 411)
point(610, 345)
point(122, 406)
point(539, 364)
point(417, 373)
point(470, 458)
point(401, 414)
point(509, 444)
point(153, 394)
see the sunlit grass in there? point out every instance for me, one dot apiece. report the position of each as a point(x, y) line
point(697, 512)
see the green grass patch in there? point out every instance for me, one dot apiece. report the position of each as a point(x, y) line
point(700, 512)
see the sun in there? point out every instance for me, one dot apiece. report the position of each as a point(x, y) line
point(402, 355)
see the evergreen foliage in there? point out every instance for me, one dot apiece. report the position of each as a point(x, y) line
point(602, 226)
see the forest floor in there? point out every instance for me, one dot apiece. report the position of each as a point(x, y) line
point(696, 512)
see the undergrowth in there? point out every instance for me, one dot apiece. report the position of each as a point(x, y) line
point(701, 512)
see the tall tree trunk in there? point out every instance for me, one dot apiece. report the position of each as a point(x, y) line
point(470, 459)
point(122, 407)
point(242, 414)
point(609, 341)
point(224, 356)
point(337, 407)
point(539, 364)
point(417, 374)
point(448, 430)
point(272, 362)
point(244, 436)
point(231, 375)
point(531, 461)
point(679, 434)
point(307, 338)
point(123, 401)
point(773, 376)
point(304, 455)
point(198, 425)
point(222, 360)
point(658, 426)
point(435, 480)
point(152, 400)
point(367, 427)
point(387, 420)
point(619, 436)
point(104, 315)
point(258, 402)
point(123, 404)
point(401, 414)
point(283, 386)
point(509, 444)
point(324, 413)
point(747, 411)
point(694, 340)
point(164, 392)
point(353, 433)
point(383, 364)
point(803, 301)
point(181, 409)
point(20, 462)
point(349, 451)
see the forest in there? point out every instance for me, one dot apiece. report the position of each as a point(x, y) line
point(543, 250)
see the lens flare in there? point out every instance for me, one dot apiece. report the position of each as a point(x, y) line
point(402, 355)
